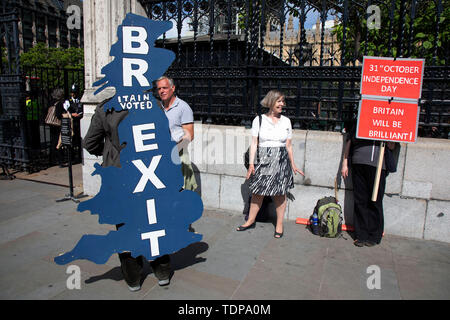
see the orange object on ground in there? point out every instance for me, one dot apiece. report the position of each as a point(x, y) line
point(307, 222)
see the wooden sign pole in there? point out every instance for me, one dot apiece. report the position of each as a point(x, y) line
point(378, 173)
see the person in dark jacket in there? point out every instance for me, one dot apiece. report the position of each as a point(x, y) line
point(362, 156)
point(76, 111)
point(102, 139)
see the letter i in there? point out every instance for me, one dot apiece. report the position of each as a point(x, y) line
point(151, 212)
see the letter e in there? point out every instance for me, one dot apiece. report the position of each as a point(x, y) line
point(139, 137)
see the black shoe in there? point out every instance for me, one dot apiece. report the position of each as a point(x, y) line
point(359, 243)
point(242, 228)
point(161, 269)
point(369, 243)
point(277, 235)
point(131, 271)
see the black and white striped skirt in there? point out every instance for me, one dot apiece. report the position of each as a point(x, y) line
point(273, 172)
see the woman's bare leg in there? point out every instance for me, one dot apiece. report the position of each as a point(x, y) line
point(255, 205)
point(280, 203)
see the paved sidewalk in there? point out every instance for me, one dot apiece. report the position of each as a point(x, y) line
point(225, 265)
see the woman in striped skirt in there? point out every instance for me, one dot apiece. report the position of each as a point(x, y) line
point(270, 172)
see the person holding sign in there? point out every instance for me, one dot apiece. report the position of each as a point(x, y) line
point(140, 190)
point(363, 156)
point(102, 139)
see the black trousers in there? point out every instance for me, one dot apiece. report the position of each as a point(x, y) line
point(368, 215)
point(77, 150)
point(132, 267)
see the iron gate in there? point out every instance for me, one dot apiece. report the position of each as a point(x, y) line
point(235, 51)
point(13, 135)
point(25, 140)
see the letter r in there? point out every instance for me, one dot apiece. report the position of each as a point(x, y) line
point(129, 72)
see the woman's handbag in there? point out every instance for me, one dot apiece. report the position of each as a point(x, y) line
point(51, 118)
point(247, 153)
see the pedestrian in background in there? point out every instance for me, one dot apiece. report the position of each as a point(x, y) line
point(271, 161)
point(76, 111)
point(55, 131)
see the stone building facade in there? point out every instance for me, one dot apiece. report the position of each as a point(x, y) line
point(46, 21)
point(311, 51)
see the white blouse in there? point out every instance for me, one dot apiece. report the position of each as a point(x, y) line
point(272, 134)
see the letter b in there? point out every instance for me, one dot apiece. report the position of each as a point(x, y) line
point(129, 39)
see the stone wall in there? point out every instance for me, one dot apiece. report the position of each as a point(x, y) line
point(416, 203)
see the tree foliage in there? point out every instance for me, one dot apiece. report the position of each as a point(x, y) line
point(403, 32)
point(44, 57)
point(53, 67)
point(418, 39)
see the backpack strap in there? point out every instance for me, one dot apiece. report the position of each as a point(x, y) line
point(336, 190)
point(260, 120)
point(259, 128)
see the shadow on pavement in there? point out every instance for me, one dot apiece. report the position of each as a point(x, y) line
point(179, 260)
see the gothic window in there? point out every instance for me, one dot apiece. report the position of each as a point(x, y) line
point(27, 30)
point(74, 38)
point(63, 34)
point(40, 28)
point(52, 39)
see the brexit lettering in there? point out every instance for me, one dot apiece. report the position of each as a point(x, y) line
point(128, 63)
point(148, 174)
point(144, 196)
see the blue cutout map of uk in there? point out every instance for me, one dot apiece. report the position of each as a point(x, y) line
point(144, 193)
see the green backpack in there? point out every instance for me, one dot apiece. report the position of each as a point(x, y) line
point(329, 213)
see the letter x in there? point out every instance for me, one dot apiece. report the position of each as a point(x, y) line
point(148, 174)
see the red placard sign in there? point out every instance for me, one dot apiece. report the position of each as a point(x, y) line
point(386, 77)
point(381, 120)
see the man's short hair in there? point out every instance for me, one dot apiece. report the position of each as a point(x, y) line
point(166, 78)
